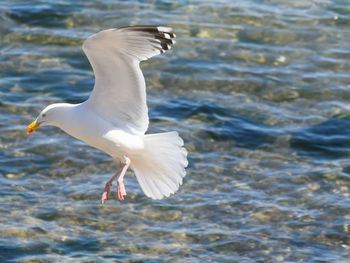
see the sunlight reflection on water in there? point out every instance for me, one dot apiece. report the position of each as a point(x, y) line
point(257, 89)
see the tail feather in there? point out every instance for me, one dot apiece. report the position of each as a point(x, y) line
point(160, 167)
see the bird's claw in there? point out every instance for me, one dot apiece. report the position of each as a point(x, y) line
point(106, 193)
point(121, 191)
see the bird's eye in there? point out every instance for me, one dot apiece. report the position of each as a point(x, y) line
point(43, 115)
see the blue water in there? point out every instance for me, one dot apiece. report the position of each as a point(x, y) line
point(259, 90)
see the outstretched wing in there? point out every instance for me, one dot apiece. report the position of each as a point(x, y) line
point(119, 94)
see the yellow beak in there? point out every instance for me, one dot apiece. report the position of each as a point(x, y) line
point(32, 127)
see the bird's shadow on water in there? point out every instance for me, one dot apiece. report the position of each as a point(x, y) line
point(327, 140)
point(217, 122)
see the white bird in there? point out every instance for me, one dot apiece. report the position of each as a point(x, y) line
point(114, 118)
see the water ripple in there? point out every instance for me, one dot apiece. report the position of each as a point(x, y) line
point(259, 90)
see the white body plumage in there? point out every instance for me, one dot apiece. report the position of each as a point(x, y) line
point(115, 117)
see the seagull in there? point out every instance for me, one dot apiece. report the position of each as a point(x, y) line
point(114, 119)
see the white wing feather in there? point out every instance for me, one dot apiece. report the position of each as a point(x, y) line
point(119, 94)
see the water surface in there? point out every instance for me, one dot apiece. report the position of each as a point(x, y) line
point(259, 90)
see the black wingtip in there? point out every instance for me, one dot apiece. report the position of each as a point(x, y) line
point(162, 33)
point(151, 29)
point(165, 46)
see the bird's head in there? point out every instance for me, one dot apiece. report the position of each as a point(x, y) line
point(48, 116)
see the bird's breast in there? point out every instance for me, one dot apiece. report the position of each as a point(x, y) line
point(98, 133)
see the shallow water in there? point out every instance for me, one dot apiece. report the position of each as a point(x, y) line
point(259, 90)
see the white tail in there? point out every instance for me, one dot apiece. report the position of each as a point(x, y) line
point(160, 167)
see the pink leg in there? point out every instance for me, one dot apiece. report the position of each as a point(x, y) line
point(121, 187)
point(107, 190)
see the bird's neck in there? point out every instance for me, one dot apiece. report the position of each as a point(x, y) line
point(61, 113)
